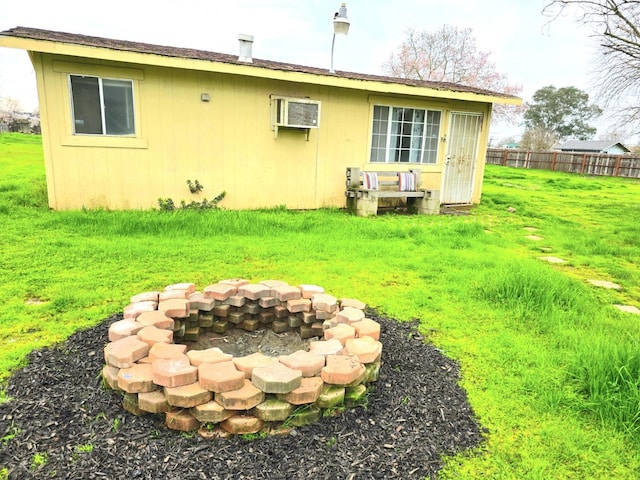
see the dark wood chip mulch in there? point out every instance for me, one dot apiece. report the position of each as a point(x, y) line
point(416, 413)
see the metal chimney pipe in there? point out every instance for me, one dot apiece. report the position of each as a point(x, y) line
point(246, 44)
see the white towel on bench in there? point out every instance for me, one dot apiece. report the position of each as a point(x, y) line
point(406, 182)
point(370, 180)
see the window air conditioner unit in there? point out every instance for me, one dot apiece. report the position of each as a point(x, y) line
point(296, 112)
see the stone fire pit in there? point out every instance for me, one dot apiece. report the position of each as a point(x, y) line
point(155, 356)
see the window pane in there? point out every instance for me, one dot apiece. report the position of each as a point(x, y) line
point(379, 134)
point(118, 107)
point(408, 135)
point(85, 96)
point(432, 137)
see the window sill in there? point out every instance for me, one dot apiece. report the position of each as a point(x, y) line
point(103, 141)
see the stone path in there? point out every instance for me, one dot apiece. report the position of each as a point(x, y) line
point(605, 284)
point(552, 259)
point(628, 309)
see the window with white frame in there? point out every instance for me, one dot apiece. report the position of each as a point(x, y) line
point(102, 106)
point(407, 135)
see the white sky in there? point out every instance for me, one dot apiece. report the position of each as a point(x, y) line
point(523, 45)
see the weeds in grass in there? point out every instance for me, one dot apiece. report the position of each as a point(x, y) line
point(251, 437)
point(606, 374)
point(39, 460)
point(10, 434)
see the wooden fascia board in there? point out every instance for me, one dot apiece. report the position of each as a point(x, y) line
point(328, 80)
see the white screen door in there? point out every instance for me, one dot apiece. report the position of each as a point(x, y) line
point(462, 154)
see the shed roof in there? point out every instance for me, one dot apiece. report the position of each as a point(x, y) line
point(590, 145)
point(40, 41)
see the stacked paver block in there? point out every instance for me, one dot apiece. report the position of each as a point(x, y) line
point(210, 390)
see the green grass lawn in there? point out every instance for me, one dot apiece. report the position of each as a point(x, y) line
point(551, 368)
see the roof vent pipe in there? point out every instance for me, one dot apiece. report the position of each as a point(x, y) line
point(246, 43)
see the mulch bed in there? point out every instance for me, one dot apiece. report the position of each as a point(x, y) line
point(416, 414)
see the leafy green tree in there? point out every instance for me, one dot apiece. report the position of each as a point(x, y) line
point(564, 111)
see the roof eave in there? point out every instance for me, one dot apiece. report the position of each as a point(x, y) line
point(331, 80)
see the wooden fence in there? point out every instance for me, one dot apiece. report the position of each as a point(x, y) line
point(572, 162)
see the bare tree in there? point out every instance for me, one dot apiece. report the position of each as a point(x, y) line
point(450, 55)
point(538, 139)
point(616, 26)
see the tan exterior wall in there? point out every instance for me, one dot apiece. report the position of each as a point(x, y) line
point(226, 144)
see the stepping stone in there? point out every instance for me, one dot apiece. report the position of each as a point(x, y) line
point(219, 291)
point(145, 297)
point(308, 392)
point(134, 309)
point(534, 237)
point(169, 294)
point(254, 291)
point(531, 229)
point(324, 302)
point(350, 302)
point(342, 370)
point(110, 375)
point(605, 284)
point(156, 319)
point(220, 377)
point(188, 286)
point(236, 300)
point(165, 351)
point(242, 424)
point(366, 349)
point(235, 282)
point(174, 372)
point(153, 402)
point(175, 307)
point(181, 420)
point(130, 404)
point(308, 291)
point(355, 396)
point(341, 332)
point(247, 363)
point(210, 355)
point(332, 396)
point(322, 315)
point(153, 335)
point(125, 352)
point(197, 301)
point(268, 302)
point(211, 412)
point(628, 309)
point(372, 372)
point(273, 284)
point(367, 328)
point(244, 398)
point(187, 396)
point(136, 379)
point(309, 364)
point(326, 347)
point(124, 328)
point(276, 378)
point(272, 410)
point(308, 317)
point(349, 315)
point(306, 416)
point(285, 293)
point(299, 305)
point(552, 259)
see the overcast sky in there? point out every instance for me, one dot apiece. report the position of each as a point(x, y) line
point(523, 44)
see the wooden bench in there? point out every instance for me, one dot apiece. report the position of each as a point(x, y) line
point(364, 188)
